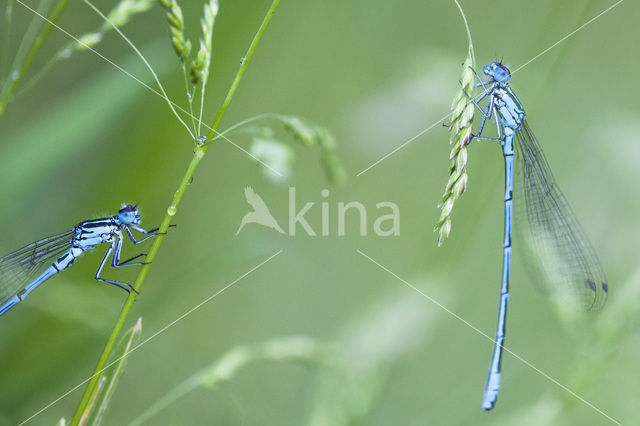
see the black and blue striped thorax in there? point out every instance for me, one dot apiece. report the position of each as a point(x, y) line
point(507, 106)
point(93, 232)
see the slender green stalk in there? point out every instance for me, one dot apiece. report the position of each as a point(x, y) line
point(190, 93)
point(243, 68)
point(9, 90)
point(199, 153)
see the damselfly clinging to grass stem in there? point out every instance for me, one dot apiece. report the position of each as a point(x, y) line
point(17, 268)
point(557, 242)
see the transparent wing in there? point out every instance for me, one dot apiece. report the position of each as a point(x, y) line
point(560, 250)
point(18, 268)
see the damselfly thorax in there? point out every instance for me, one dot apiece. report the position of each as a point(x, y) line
point(508, 107)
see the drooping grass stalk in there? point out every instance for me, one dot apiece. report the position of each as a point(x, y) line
point(462, 110)
point(199, 152)
point(141, 56)
point(11, 87)
point(306, 133)
point(295, 348)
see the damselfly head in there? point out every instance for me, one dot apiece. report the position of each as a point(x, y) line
point(129, 214)
point(497, 72)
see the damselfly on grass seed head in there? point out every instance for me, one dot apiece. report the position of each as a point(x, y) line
point(497, 72)
point(129, 214)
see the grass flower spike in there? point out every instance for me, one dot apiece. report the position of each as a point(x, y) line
point(181, 45)
point(200, 65)
point(462, 110)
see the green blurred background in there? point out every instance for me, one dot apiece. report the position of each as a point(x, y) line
point(87, 138)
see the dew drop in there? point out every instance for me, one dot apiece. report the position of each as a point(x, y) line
point(15, 75)
point(171, 211)
point(243, 60)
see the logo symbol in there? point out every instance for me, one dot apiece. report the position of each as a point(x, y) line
point(260, 214)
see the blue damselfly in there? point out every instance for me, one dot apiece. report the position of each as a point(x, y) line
point(17, 269)
point(562, 252)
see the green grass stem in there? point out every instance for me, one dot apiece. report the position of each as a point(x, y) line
point(199, 153)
